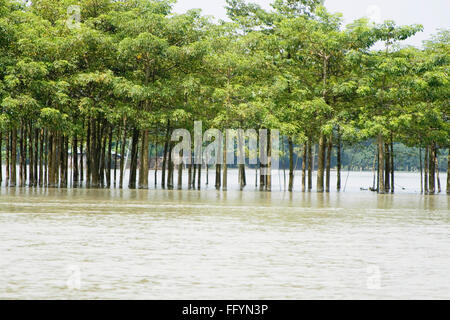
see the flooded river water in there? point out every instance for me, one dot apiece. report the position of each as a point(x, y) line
point(159, 244)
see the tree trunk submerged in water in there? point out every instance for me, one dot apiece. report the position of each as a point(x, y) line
point(339, 161)
point(143, 170)
point(1, 160)
point(122, 154)
point(304, 160)
point(392, 166)
point(218, 180)
point(310, 165)
point(432, 169)
point(134, 159)
point(321, 163)
point(381, 184)
point(438, 179)
point(328, 166)
point(387, 167)
point(426, 169)
point(291, 164)
point(448, 172)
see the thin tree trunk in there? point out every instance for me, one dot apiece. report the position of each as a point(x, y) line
point(143, 171)
point(269, 162)
point(88, 153)
point(321, 163)
point(1, 160)
point(66, 161)
point(339, 160)
point(180, 172)
point(81, 160)
point(166, 146)
point(7, 173)
point(432, 169)
point(190, 175)
point(194, 174)
point(291, 165)
point(13, 180)
point(21, 173)
point(156, 161)
point(218, 180)
point(170, 168)
point(122, 153)
point(41, 157)
point(199, 176)
point(310, 165)
point(75, 162)
point(115, 155)
point(109, 160)
point(304, 160)
point(381, 187)
point(387, 167)
point(436, 159)
point(225, 167)
point(134, 158)
point(31, 156)
point(392, 166)
point(328, 166)
point(421, 169)
point(448, 172)
point(426, 169)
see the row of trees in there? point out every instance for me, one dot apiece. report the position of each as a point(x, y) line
point(73, 93)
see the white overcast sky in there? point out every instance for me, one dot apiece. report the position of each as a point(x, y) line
point(432, 14)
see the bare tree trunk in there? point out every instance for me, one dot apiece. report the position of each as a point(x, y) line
point(7, 173)
point(426, 169)
point(199, 176)
point(88, 153)
point(328, 166)
point(21, 170)
point(392, 166)
point(339, 160)
point(432, 169)
point(321, 163)
point(218, 170)
point(41, 158)
point(387, 166)
point(134, 158)
point(82, 157)
point(436, 160)
point(304, 159)
point(190, 175)
point(225, 168)
point(109, 159)
point(194, 174)
point(116, 156)
point(170, 168)
point(122, 153)
point(143, 170)
point(291, 164)
point(31, 156)
point(381, 187)
point(13, 180)
point(75, 161)
point(421, 170)
point(180, 172)
point(269, 162)
point(448, 172)
point(156, 161)
point(310, 165)
point(164, 164)
point(1, 160)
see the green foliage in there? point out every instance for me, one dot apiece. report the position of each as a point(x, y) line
point(296, 68)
